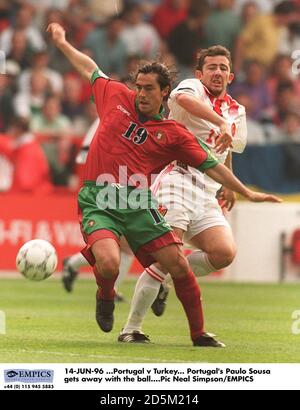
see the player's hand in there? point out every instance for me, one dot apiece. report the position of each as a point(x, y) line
point(262, 197)
point(224, 140)
point(228, 198)
point(57, 33)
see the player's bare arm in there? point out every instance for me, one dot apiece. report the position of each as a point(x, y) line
point(224, 176)
point(227, 195)
point(202, 110)
point(82, 63)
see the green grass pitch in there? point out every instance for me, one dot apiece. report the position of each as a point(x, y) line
point(44, 324)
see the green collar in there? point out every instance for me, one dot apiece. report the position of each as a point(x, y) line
point(143, 118)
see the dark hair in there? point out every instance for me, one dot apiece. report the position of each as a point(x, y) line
point(165, 76)
point(284, 86)
point(129, 8)
point(199, 9)
point(285, 7)
point(213, 52)
point(252, 62)
point(21, 123)
point(112, 19)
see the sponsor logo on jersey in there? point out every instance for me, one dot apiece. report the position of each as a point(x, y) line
point(121, 108)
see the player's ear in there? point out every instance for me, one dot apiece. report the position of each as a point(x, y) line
point(198, 74)
point(166, 92)
point(231, 78)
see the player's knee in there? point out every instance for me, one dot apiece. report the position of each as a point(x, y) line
point(109, 267)
point(180, 268)
point(229, 255)
point(225, 257)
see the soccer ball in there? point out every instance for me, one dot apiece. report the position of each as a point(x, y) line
point(37, 260)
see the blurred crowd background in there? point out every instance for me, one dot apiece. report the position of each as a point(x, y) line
point(45, 107)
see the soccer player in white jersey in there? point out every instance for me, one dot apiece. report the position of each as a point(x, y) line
point(73, 263)
point(204, 107)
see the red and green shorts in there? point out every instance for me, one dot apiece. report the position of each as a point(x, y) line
point(112, 211)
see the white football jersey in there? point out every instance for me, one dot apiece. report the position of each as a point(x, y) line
point(227, 107)
point(83, 153)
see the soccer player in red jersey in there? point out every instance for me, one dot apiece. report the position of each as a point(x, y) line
point(31, 170)
point(132, 142)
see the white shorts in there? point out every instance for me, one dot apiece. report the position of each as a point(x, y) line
point(189, 206)
point(213, 216)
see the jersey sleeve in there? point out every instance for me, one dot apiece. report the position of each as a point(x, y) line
point(240, 138)
point(104, 88)
point(193, 152)
point(191, 87)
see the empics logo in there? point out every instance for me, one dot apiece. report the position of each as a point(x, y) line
point(11, 373)
point(28, 375)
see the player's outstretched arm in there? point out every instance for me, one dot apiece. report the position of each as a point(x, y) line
point(199, 109)
point(227, 196)
point(83, 64)
point(225, 177)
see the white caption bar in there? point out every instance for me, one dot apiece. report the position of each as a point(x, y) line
point(152, 377)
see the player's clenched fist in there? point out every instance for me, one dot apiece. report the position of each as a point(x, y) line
point(224, 140)
point(57, 33)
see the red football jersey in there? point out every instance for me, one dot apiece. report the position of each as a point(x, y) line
point(125, 143)
point(31, 169)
